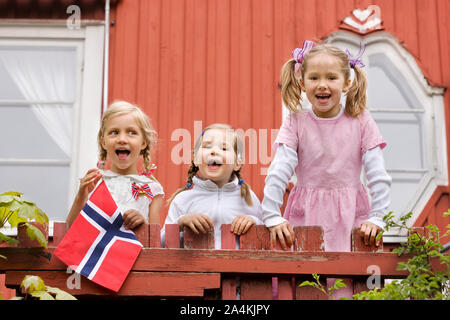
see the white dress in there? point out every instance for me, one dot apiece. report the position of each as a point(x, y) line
point(120, 188)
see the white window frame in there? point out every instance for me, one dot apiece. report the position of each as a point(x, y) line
point(432, 99)
point(88, 40)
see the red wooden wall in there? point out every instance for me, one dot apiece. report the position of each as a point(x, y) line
point(219, 61)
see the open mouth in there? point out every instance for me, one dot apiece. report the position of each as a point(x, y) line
point(214, 164)
point(323, 97)
point(122, 154)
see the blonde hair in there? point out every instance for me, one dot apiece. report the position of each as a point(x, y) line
point(120, 107)
point(290, 85)
point(238, 148)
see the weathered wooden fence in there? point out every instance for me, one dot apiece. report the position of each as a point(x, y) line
point(196, 270)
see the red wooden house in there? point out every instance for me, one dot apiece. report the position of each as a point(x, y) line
point(190, 63)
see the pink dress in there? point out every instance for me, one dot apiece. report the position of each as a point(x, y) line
point(329, 191)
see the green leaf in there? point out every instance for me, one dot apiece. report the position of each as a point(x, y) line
point(12, 193)
point(60, 294)
point(5, 238)
point(42, 295)
point(32, 283)
point(308, 283)
point(35, 234)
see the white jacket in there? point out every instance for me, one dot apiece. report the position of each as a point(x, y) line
point(222, 205)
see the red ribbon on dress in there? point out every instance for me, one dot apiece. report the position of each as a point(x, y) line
point(141, 190)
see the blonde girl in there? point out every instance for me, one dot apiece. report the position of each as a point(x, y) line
point(125, 135)
point(215, 192)
point(326, 147)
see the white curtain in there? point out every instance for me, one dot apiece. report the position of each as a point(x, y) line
point(46, 74)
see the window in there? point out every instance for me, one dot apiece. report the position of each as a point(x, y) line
point(50, 106)
point(410, 116)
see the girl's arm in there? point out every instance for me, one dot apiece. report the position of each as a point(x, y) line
point(155, 209)
point(280, 172)
point(87, 185)
point(379, 183)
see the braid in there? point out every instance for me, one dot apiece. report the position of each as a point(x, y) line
point(191, 173)
point(147, 161)
point(245, 189)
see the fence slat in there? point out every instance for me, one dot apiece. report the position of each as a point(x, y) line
point(256, 288)
point(59, 230)
point(142, 233)
point(154, 236)
point(256, 238)
point(358, 245)
point(228, 238)
point(286, 288)
point(198, 241)
point(172, 236)
point(309, 238)
point(228, 282)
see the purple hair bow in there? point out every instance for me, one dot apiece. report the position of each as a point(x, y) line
point(357, 61)
point(299, 54)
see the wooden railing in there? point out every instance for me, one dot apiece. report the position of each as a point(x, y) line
point(197, 270)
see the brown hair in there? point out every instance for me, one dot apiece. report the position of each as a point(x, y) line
point(150, 136)
point(238, 147)
point(290, 85)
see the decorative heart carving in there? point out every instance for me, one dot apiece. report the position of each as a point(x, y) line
point(362, 15)
point(369, 19)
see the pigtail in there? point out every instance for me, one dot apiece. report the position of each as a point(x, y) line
point(191, 174)
point(148, 170)
point(245, 189)
point(356, 95)
point(290, 87)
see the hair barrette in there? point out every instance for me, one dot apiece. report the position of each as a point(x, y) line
point(241, 182)
point(357, 61)
point(150, 171)
point(101, 164)
point(188, 186)
point(299, 54)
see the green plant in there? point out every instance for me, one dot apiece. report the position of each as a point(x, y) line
point(18, 211)
point(423, 281)
point(338, 283)
point(33, 287)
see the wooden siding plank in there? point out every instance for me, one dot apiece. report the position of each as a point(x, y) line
point(429, 52)
point(405, 25)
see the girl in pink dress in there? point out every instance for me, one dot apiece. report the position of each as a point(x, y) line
point(326, 147)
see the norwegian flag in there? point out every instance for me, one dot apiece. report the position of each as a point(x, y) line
point(97, 245)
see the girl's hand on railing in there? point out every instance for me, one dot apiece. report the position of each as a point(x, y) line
point(241, 224)
point(369, 232)
point(196, 222)
point(285, 234)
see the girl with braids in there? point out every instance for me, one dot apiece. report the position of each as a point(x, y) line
point(327, 147)
point(215, 192)
point(125, 134)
